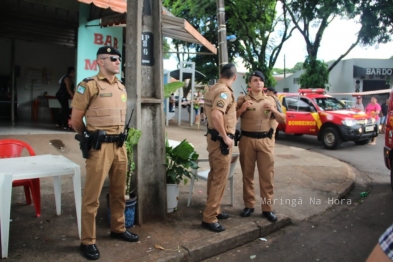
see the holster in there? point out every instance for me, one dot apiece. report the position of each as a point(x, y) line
point(84, 143)
point(237, 137)
point(270, 133)
point(214, 136)
point(122, 139)
point(98, 138)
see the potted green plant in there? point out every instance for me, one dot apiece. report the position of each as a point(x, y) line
point(132, 140)
point(180, 162)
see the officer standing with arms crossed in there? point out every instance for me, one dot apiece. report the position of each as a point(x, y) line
point(102, 99)
point(220, 109)
point(259, 116)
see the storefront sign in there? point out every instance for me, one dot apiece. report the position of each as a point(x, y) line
point(147, 49)
point(90, 38)
point(379, 71)
point(362, 72)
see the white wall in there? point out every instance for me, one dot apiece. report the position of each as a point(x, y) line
point(240, 85)
point(341, 77)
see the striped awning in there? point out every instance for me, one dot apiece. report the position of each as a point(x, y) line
point(172, 26)
point(119, 6)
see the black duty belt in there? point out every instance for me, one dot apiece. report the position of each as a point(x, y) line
point(255, 134)
point(211, 131)
point(110, 138)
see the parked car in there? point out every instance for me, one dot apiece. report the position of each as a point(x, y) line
point(312, 112)
point(388, 147)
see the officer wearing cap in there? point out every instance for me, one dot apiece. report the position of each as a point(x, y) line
point(220, 109)
point(259, 116)
point(102, 100)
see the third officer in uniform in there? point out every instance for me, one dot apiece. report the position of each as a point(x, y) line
point(102, 99)
point(220, 108)
point(259, 117)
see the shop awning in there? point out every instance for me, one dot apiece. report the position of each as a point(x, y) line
point(198, 75)
point(172, 26)
point(119, 6)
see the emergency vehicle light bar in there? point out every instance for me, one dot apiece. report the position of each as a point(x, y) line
point(312, 91)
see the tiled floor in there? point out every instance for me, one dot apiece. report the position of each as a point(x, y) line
point(28, 127)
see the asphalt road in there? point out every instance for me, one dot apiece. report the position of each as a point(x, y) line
point(346, 232)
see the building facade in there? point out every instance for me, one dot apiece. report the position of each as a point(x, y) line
point(351, 76)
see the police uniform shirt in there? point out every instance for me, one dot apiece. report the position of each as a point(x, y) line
point(220, 97)
point(89, 90)
point(254, 118)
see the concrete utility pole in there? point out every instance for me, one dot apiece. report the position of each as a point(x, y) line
point(144, 83)
point(222, 34)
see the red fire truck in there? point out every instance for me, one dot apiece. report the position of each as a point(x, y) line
point(312, 112)
point(388, 148)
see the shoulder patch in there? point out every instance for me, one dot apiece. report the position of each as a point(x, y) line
point(81, 90)
point(87, 79)
point(223, 96)
point(220, 104)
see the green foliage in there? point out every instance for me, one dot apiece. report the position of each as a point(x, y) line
point(316, 74)
point(171, 87)
point(166, 49)
point(376, 18)
point(179, 161)
point(131, 141)
point(252, 21)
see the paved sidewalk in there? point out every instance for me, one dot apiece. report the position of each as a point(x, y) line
point(306, 183)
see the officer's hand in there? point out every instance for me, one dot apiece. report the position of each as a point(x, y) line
point(228, 141)
point(246, 105)
point(267, 105)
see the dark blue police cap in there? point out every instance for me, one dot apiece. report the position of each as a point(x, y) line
point(259, 74)
point(108, 50)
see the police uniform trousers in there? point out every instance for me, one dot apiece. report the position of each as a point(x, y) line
point(216, 181)
point(260, 151)
point(108, 160)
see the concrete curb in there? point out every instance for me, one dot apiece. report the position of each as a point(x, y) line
point(344, 188)
point(212, 245)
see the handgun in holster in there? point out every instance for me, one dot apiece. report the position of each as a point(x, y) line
point(270, 133)
point(237, 137)
point(122, 139)
point(214, 136)
point(84, 143)
point(98, 138)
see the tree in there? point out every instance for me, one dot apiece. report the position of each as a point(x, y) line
point(297, 67)
point(375, 19)
point(315, 74)
point(253, 22)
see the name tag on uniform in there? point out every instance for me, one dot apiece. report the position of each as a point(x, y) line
point(106, 95)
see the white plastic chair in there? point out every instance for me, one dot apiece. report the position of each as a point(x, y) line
point(203, 175)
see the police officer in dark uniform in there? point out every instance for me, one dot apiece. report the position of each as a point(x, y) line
point(102, 100)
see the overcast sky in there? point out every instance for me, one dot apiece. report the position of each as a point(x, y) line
point(336, 40)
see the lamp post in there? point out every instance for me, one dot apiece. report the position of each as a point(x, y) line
point(222, 35)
